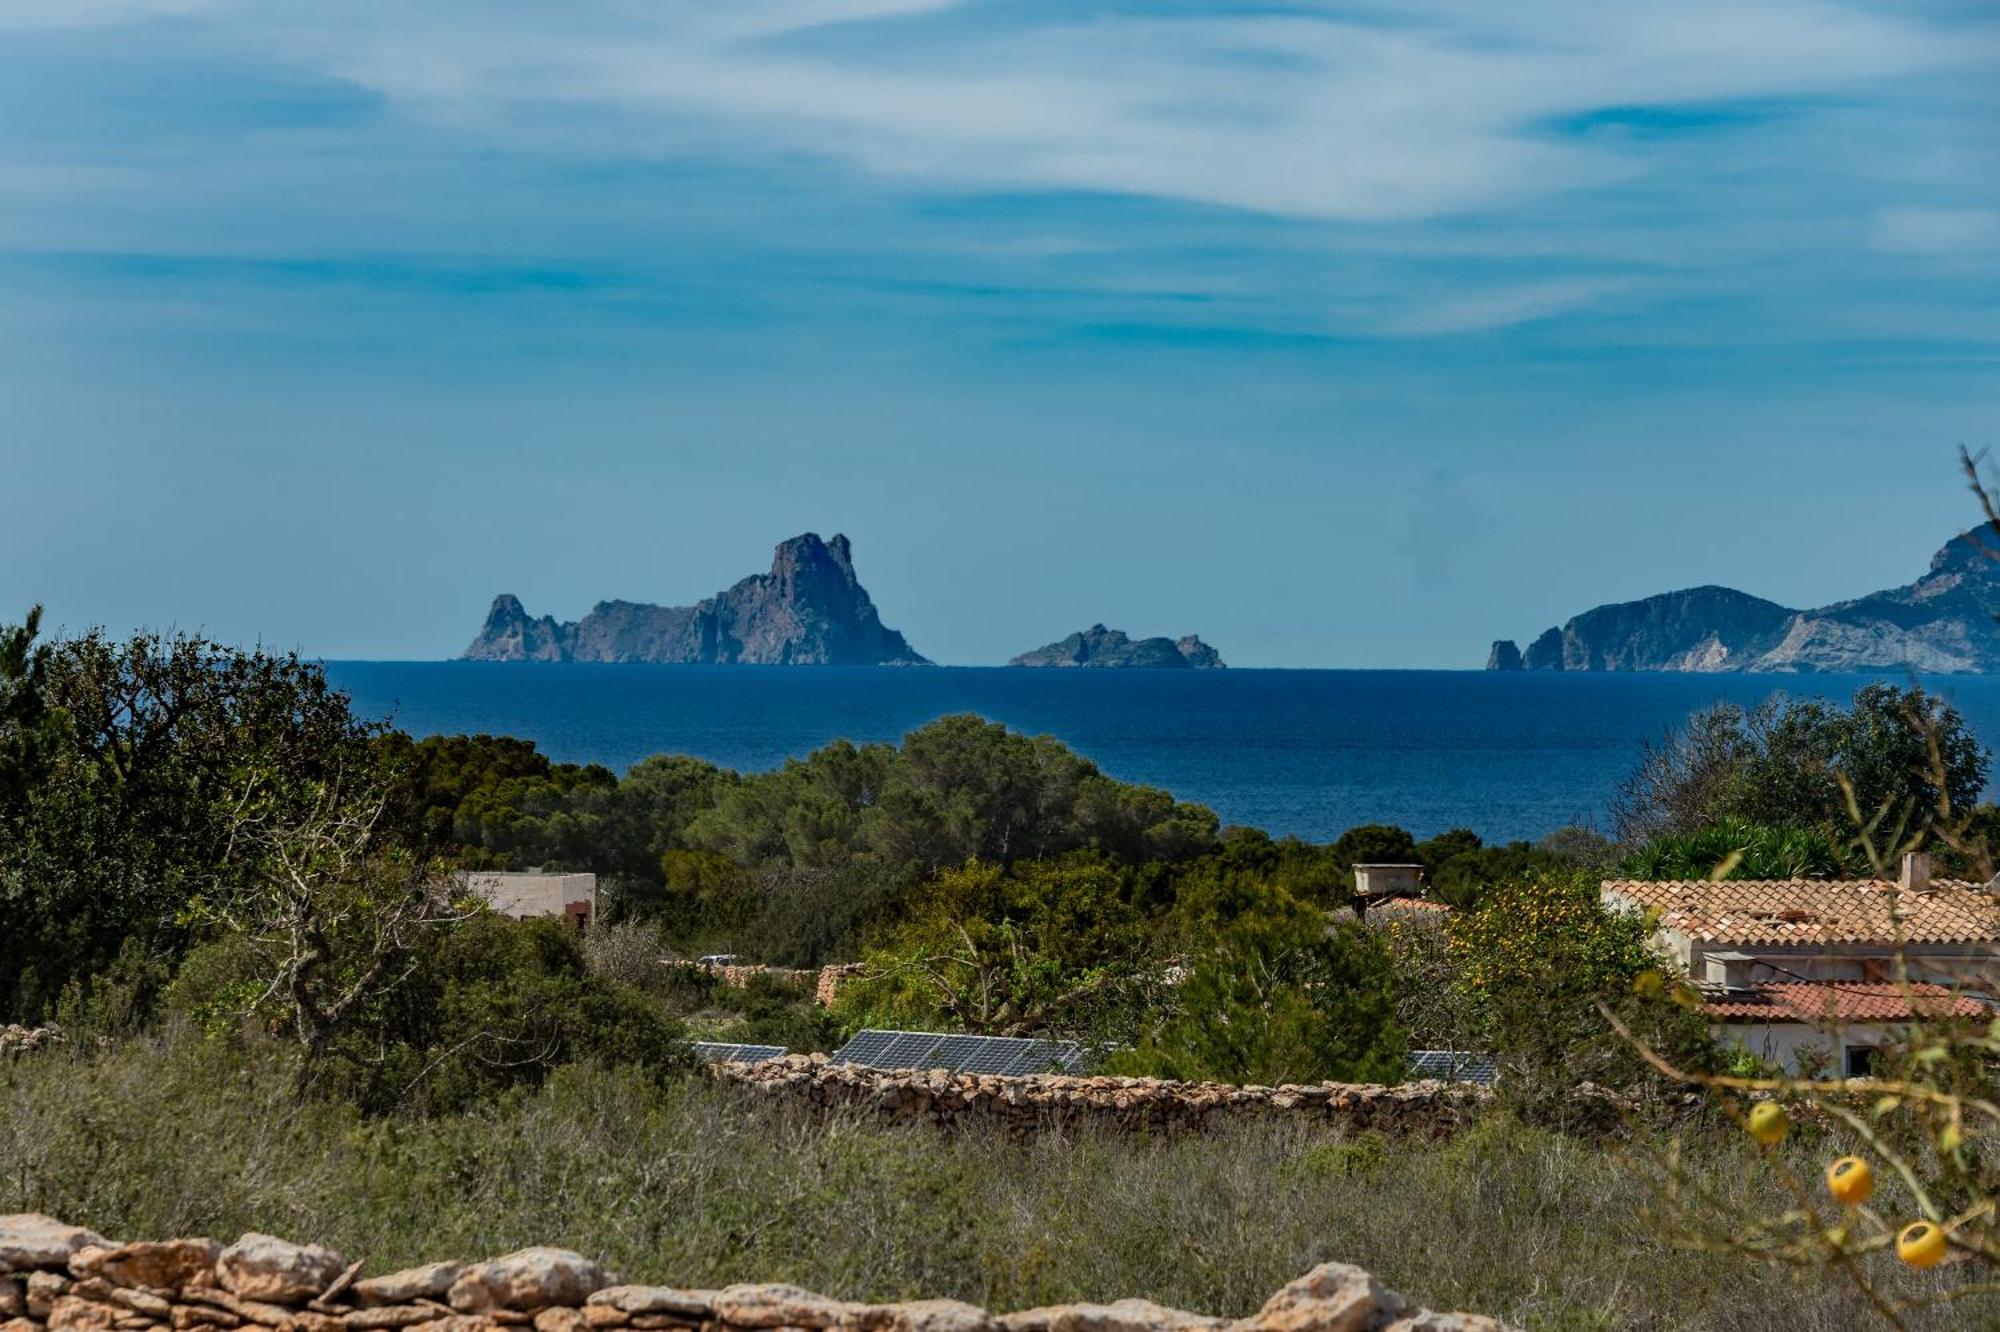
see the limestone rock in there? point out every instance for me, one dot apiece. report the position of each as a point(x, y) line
point(934, 1316)
point(693, 1304)
point(13, 1298)
point(1120, 1316)
point(458, 1323)
point(72, 1314)
point(30, 1240)
point(779, 1306)
point(561, 1320)
point(526, 1280)
point(1098, 646)
point(43, 1290)
point(264, 1267)
point(432, 1281)
point(1423, 1320)
point(166, 1264)
point(386, 1316)
point(309, 1320)
point(1333, 1297)
point(809, 610)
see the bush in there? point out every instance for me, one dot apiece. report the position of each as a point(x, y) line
point(698, 1185)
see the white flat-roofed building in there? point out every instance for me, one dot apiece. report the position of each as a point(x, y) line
point(522, 895)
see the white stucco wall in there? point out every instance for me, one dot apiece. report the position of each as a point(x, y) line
point(1782, 1043)
point(525, 895)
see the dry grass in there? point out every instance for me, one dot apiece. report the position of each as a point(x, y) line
point(699, 1185)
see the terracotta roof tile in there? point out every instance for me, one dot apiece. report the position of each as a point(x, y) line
point(1816, 911)
point(1416, 906)
point(1839, 1001)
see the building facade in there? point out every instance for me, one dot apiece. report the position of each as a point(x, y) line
point(1819, 974)
point(527, 894)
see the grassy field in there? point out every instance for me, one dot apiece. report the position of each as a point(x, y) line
point(697, 1185)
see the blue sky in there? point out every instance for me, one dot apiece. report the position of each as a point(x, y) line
point(1345, 334)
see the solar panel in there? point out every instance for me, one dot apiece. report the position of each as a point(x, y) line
point(1455, 1066)
point(1008, 1056)
point(725, 1052)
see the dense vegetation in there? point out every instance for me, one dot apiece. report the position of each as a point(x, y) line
point(216, 876)
point(1803, 787)
point(688, 1184)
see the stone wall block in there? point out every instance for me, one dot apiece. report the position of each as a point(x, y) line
point(931, 1316)
point(525, 1281)
point(781, 1306)
point(264, 1267)
point(160, 1264)
point(30, 1240)
point(1121, 1316)
point(692, 1305)
point(432, 1281)
point(74, 1314)
point(1333, 1297)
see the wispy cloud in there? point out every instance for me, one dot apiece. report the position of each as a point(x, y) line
point(1503, 307)
point(1935, 230)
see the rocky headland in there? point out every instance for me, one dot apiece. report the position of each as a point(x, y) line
point(1102, 647)
point(1943, 623)
point(63, 1278)
point(809, 610)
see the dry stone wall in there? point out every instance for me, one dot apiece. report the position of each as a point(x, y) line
point(61, 1278)
point(1038, 1101)
point(824, 983)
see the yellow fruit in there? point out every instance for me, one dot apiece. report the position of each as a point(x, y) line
point(1769, 1123)
point(1851, 1180)
point(1921, 1244)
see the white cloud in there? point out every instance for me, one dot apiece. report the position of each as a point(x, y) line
point(1503, 307)
point(1935, 230)
point(1340, 117)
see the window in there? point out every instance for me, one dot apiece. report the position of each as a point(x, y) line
point(1860, 1061)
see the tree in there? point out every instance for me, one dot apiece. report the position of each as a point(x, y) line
point(1279, 996)
point(26, 733)
point(1049, 947)
point(1374, 844)
point(330, 917)
point(142, 753)
point(1897, 767)
point(1541, 954)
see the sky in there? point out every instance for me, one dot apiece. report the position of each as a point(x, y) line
point(1346, 335)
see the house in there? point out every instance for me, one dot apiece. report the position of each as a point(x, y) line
point(1376, 881)
point(522, 895)
point(1803, 972)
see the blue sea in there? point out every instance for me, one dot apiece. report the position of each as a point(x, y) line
point(1305, 752)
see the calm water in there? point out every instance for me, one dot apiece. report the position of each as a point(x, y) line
point(1306, 752)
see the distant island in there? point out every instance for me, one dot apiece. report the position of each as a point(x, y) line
point(1943, 623)
point(809, 610)
point(1101, 647)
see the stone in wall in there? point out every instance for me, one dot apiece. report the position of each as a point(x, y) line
point(58, 1278)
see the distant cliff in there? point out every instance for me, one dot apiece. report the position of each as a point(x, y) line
point(1942, 623)
point(1098, 646)
point(810, 610)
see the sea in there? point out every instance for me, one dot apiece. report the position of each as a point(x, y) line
point(1305, 752)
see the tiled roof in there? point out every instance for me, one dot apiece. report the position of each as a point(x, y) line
point(1839, 1001)
point(1817, 911)
point(1422, 906)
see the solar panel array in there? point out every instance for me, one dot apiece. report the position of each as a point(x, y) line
point(1455, 1066)
point(1008, 1056)
point(722, 1052)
